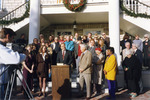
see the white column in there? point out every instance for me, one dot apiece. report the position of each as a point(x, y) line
point(114, 27)
point(34, 24)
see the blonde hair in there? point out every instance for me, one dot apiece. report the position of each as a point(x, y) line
point(29, 45)
point(26, 52)
point(50, 50)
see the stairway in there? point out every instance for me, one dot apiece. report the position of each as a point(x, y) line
point(15, 16)
point(134, 17)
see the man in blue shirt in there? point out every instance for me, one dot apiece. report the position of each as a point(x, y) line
point(69, 44)
point(70, 47)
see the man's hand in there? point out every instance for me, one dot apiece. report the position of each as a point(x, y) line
point(126, 69)
point(81, 70)
point(105, 72)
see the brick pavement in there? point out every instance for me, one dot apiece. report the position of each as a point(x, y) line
point(122, 95)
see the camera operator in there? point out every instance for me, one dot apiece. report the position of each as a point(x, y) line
point(7, 56)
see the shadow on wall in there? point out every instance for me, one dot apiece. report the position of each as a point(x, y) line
point(64, 90)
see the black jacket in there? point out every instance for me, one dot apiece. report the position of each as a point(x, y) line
point(139, 56)
point(134, 68)
point(67, 58)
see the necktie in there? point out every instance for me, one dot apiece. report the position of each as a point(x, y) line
point(63, 55)
point(133, 52)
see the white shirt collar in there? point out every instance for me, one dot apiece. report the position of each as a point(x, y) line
point(43, 56)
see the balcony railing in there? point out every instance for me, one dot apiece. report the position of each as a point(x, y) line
point(17, 15)
point(57, 2)
point(136, 7)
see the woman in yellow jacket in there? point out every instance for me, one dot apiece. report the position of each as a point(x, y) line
point(110, 70)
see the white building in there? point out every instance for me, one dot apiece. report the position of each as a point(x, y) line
point(51, 17)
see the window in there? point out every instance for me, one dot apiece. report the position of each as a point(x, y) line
point(64, 32)
point(93, 31)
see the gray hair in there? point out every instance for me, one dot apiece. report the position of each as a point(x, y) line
point(133, 44)
point(84, 46)
point(146, 35)
point(127, 43)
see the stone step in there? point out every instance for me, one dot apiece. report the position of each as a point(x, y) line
point(74, 79)
point(74, 87)
point(73, 84)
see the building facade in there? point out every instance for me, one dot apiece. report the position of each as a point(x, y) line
point(51, 17)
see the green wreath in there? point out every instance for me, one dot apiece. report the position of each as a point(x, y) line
point(74, 7)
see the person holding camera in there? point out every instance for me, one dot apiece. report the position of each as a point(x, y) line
point(7, 57)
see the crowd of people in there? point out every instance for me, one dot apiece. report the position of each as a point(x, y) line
point(135, 57)
point(91, 56)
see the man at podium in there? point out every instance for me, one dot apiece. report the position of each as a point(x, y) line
point(64, 56)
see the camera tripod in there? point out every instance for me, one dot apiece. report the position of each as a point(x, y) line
point(10, 84)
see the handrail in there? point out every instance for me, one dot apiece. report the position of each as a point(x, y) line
point(137, 7)
point(16, 15)
point(16, 9)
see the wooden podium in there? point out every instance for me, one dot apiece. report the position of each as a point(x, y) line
point(60, 82)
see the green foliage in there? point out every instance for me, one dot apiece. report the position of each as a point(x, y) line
point(133, 14)
point(16, 20)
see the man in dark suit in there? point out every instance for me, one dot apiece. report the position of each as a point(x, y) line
point(56, 48)
point(146, 51)
point(139, 56)
point(92, 47)
point(64, 56)
point(106, 39)
point(137, 52)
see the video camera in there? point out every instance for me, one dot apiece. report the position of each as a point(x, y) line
point(16, 47)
